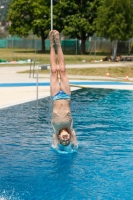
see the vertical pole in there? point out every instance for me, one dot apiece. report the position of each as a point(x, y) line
point(51, 14)
point(95, 49)
point(34, 63)
point(34, 60)
point(51, 21)
point(12, 48)
point(76, 47)
point(37, 85)
point(35, 49)
point(30, 69)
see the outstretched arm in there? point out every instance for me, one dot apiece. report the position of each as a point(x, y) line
point(73, 138)
point(55, 140)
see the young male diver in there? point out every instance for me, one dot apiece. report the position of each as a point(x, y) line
point(62, 121)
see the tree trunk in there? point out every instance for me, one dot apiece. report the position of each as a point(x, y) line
point(83, 40)
point(114, 52)
point(43, 41)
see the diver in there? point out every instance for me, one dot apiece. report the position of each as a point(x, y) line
point(62, 121)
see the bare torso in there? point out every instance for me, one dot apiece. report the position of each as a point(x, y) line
point(61, 117)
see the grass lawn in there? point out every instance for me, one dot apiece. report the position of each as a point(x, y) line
point(24, 54)
point(114, 72)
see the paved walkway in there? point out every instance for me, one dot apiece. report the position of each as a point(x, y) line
point(16, 95)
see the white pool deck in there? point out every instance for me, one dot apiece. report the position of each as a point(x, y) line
point(10, 96)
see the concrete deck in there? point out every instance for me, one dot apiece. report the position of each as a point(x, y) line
point(12, 95)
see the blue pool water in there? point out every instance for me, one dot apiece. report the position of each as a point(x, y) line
point(72, 82)
point(101, 169)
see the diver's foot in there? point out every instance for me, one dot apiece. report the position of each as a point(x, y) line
point(51, 37)
point(57, 38)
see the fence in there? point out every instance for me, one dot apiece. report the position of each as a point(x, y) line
point(71, 46)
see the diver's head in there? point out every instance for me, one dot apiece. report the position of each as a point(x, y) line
point(64, 137)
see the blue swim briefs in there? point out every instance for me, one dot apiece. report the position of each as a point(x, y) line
point(61, 95)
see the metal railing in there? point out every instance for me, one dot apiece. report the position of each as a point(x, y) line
point(32, 67)
point(42, 67)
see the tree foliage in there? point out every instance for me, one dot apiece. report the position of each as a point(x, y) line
point(76, 18)
point(27, 15)
point(115, 20)
point(72, 17)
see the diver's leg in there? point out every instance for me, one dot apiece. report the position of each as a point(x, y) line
point(64, 82)
point(54, 83)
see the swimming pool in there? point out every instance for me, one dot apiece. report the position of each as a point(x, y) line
point(85, 83)
point(101, 169)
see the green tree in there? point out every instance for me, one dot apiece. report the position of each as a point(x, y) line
point(26, 15)
point(115, 21)
point(75, 18)
point(72, 17)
